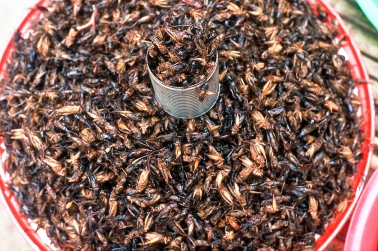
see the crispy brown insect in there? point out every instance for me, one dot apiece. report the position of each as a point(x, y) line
point(226, 195)
point(250, 168)
point(143, 180)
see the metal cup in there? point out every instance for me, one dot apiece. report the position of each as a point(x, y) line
point(184, 102)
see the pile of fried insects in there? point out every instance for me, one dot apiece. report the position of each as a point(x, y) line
point(183, 57)
point(95, 161)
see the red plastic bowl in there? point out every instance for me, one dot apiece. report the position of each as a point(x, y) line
point(367, 110)
point(363, 228)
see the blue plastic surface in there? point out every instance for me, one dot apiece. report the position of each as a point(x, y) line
point(370, 8)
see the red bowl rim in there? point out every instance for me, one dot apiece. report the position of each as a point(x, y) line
point(359, 73)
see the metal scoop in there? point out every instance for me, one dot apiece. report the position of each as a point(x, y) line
point(184, 102)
